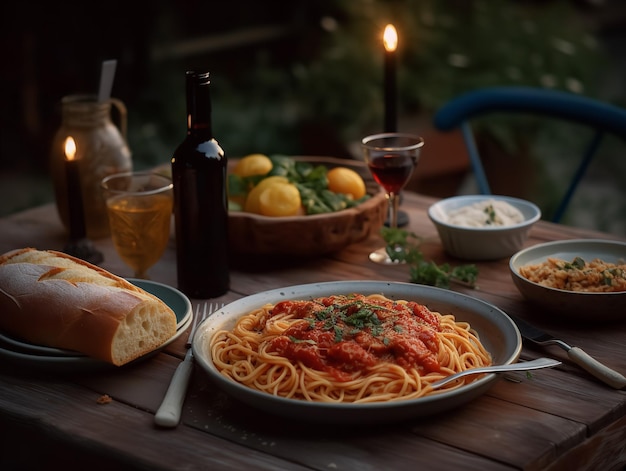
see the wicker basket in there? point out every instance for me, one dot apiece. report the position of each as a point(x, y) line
point(306, 236)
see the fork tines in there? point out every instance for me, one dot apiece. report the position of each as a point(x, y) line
point(207, 310)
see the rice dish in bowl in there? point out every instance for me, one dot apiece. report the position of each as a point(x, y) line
point(569, 293)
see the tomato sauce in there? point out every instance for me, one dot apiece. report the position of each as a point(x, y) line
point(344, 335)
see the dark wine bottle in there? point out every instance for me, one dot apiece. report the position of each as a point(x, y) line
point(200, 200)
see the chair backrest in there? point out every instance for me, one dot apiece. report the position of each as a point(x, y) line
point(600, 116)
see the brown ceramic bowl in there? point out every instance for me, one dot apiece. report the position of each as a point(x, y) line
point(315, 234)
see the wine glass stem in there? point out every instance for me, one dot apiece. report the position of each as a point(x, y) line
point(394, 201)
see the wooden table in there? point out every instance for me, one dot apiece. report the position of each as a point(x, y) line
point(560, 418)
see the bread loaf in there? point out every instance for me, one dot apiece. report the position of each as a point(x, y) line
point(53, 299)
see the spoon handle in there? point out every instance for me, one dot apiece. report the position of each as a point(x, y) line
point(523, 366)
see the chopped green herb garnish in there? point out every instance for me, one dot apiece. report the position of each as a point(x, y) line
point(297, 340)
point(577, 264)
point(349, 319)
point(491, 214)
point(338, 333)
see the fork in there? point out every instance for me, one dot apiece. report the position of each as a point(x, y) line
point(169, 412)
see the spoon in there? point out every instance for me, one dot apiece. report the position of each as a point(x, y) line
point(525, 365)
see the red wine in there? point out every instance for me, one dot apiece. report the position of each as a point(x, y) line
point(200, 200)
point(392, 171)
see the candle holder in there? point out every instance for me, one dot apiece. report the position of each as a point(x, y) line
point(84, 249)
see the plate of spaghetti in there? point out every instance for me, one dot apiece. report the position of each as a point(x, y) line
point(354, 351)
point(580, 279)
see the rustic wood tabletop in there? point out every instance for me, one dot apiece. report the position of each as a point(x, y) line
point(557, 418)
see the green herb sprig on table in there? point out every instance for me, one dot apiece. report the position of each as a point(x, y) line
point(403, 246)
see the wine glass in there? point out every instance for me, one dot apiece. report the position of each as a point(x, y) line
point(139, 206)
point(391, 159)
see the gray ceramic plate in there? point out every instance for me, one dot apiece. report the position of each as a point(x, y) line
point(39, 355)
point(568, 305)
point(496, 330)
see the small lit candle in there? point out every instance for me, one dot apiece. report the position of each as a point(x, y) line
point(390, 41)
point(74, 192)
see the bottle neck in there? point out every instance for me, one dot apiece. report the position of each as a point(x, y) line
point(198, 104)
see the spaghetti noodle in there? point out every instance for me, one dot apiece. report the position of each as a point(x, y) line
point(348, 349)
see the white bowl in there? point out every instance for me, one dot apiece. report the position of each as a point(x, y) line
point(482, 243)
point(565, 305)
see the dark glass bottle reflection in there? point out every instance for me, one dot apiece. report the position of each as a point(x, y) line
point(200, 199)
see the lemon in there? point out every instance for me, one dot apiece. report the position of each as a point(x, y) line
point(252, 200)
point(253, 164)
point(346, 181)
point(280, 200)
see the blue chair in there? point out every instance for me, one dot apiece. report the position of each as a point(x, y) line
point(602, 117)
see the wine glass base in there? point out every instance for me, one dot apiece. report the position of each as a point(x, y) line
point(381, 257)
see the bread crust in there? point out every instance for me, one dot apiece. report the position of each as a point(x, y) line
point(53, 299)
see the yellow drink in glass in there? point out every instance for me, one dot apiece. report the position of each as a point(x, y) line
point(139, 206)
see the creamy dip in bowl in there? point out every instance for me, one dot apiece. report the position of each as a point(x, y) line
point(483, 227)
point(486, 213)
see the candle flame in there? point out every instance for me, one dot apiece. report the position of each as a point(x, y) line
point(70, 148)
point(390, 38)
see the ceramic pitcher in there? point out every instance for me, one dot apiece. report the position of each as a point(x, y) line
point(102, 148)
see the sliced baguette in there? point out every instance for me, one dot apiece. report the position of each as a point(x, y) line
point(53, 299)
